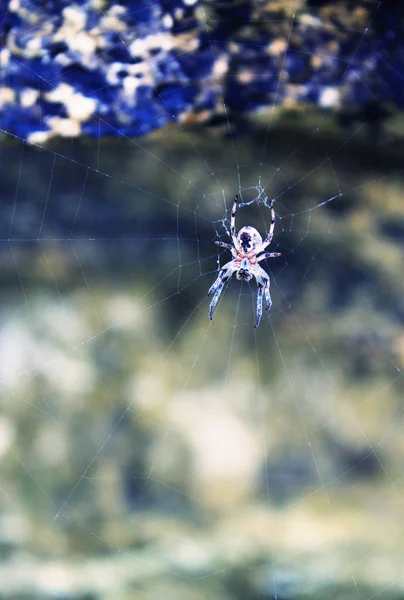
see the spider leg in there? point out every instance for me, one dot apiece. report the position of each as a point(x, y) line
point(217, 286)
point(263, 283)
point(270, 234)
point(229, 247)
point(259, 304)
point(224, 245)
point(216, 297)
point(268, 298)
point(215, 283)
point(268, 255)
point(233, 229)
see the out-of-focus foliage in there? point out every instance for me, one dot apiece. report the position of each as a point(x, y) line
point(141, 444)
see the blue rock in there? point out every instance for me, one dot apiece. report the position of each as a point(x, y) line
point(132, 67)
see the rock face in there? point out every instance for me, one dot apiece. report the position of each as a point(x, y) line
point(104, 68)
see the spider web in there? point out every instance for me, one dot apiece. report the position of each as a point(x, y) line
point(148, 451)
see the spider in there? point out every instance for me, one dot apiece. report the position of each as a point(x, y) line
point(247, 244)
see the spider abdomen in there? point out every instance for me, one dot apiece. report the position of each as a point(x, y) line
point(249, 238)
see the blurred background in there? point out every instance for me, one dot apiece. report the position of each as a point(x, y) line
point(149, 453)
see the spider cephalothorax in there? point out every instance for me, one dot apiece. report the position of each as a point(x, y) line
point(247, 245)
point(243, 272)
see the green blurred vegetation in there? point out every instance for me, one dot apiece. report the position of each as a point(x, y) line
point(148, 453)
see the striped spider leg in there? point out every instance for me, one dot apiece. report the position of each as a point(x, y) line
point(225, 273)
